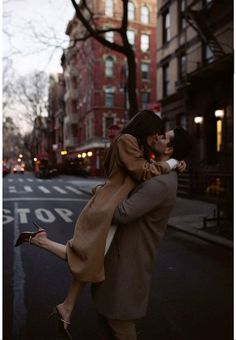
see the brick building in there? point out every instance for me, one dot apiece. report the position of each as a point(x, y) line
point(95, 76)
point(195, 87)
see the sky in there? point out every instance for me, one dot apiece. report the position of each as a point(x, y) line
point(47, 18)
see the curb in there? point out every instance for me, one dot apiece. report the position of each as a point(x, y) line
point(204, 236)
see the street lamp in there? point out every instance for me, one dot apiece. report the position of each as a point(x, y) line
point(219, 114)
point(198, 121)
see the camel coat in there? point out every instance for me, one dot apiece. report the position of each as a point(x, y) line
point(85, 251)
point(142, 220)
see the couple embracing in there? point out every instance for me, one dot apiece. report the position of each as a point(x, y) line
point(118, 232)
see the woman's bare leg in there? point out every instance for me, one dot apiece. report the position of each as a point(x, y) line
point(66, 307)
point(55, 248)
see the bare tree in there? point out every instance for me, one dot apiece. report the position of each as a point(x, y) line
point(31, 93)
point(87, 18)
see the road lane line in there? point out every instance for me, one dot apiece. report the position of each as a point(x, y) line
point(60, 190)
point(19, 308)
point(43, 189)
point(12, 189)
point(15, 199)
point(76, 191)
point(28, 189)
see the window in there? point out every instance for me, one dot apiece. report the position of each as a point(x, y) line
point(109, 8)
point(181, 120)
point(109, 97)
point(144, 15)
point(166, 27)
point(208, 55)
point(131, 37)
point(108, 122)
point(165, 80)
point(182, 66)
point(182, 11)
point(144, 71)
point(109, 36)
point(145, 99)
point(131, 11)
point(109, 67)
point(144, 42)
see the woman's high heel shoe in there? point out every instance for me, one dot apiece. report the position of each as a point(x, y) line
point(27, 236)
point(61, 323)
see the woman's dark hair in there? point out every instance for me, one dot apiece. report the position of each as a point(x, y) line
point(145, 123)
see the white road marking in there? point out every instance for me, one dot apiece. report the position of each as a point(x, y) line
point(39, 180)
point(12, 189)
point(10, 179)
point(76, 191)
point(20, 179)
point(61, 191)
point(44, 215)
point(23, 214)
point(19, 308)
point(43, 189)
point(14, 199)
point(28, 189)
point(29, 180)
point(64, 213)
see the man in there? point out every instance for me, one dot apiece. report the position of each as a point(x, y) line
point(141, 219)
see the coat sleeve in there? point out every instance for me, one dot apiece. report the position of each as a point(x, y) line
point(146, 197)
point(132, 159)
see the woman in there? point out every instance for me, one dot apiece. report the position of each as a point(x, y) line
point(126, 165)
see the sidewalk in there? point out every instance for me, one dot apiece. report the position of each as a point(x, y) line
point(187, 215)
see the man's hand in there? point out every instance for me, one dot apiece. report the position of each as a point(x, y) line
point(181, 167)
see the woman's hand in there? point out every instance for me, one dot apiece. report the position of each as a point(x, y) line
point(181, 167)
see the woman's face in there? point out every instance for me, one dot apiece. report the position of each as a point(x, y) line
point(152, 139)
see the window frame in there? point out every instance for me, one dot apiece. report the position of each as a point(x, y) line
point(144, 15)
point(131, 11)
point(109, 67)
point(166, 80)
point(142, 35)
point(109, 8)
point(145, 71)
point(165, 27)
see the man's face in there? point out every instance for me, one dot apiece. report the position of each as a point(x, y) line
point(161, 145)
point(152, 140)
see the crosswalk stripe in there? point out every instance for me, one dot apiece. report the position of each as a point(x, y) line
point(20, 179)
point(12, 189)
point(43, 189)
point(27, 188)
point(61, 191)
point(39, 180)
point(73, 190)
point(29, 180)
point(10, 180)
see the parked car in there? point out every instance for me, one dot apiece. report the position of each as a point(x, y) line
point(18, 169)
point(6, 169)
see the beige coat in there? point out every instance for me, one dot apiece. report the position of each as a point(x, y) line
point(85, 252)
point(142, 220)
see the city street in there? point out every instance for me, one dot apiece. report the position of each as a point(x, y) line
point(191, 296)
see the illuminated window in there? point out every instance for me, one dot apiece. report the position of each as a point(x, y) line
point(144, 42)
point(109, 8)
point(131, 11)
point(131, 37)
point(109, 67)
point(110, 36)
point(144, 15)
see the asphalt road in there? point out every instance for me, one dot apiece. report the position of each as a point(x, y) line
point(191, 295)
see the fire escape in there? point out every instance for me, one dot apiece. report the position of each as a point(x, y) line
point(213, 183)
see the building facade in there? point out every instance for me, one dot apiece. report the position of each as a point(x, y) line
point(195, 86)
point(95, 80)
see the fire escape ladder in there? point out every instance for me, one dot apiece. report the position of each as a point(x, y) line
point(199, 21)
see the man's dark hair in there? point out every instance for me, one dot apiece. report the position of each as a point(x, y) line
point(181, 143)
